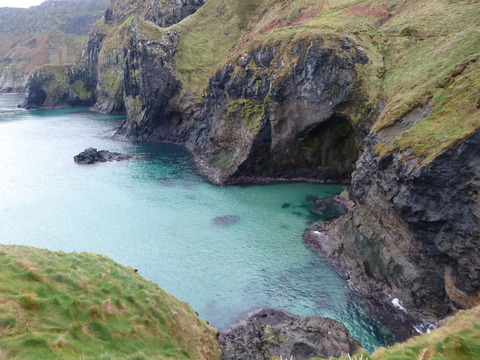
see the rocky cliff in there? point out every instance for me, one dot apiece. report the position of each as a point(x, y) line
point(384, 93)
point(51, 33)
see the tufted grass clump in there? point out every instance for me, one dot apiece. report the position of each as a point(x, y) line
point(56, 305)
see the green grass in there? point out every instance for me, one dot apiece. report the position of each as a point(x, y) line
point(458, 339)
point(206, 38)
point(85, 306)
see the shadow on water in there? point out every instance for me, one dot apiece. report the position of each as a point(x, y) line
point(314, 208)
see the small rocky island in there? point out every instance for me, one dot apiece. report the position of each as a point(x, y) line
point(92, 156)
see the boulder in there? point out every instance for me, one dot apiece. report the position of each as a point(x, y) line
point(92, 156)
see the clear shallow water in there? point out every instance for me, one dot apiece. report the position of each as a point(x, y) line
point(164, 227)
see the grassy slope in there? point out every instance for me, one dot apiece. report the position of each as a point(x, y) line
point(459, 339)
point(422, 53)
point(55, 305)
point(207, 37)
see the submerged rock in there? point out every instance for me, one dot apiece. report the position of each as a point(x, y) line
point(227, 220)
point(92, 156)
point(269, 333)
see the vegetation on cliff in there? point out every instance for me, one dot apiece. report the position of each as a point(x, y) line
point(51, 33)
point(56, 305)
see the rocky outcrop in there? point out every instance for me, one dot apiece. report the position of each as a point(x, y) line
point(162, 13)
point(413, 230)
point(269, 333)
point(167, 13)
point(106, 63)
point(150, 85)
point(92, 156)
point(54, 86)
point(282, 113)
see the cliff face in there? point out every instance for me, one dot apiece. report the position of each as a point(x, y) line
point(262, 90)
point(51, 33)
point(282, 113)
point(411, 233)
point(57, 86)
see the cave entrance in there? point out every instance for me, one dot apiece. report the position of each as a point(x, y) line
point(330, 148)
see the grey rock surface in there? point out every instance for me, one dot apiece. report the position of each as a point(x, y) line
point(268, 333)
point(92, 156)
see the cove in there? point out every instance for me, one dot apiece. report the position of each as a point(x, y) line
point(224, 250)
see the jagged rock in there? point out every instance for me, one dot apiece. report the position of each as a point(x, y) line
point(92, 156)
point(278, 122)
point(269, 333)
point(412, 233)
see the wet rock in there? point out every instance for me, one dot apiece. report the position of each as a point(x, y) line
point(92, 156)
point(225, 221)
point(269, 333)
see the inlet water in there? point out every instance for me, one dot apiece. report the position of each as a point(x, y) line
point(158, 216)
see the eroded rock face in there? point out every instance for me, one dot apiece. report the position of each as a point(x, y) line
point(413, 232)
point(107, 63)
point(167, 13)
point(270, 333)
point(282, 114)
point(56, 86)
point(149, 86)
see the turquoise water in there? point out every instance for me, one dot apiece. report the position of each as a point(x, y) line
point(156, 215)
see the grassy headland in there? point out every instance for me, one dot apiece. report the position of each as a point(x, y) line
point(56, 305)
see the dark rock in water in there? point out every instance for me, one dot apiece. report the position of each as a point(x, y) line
point(269, 333)
point(226, 220)
point(285, 205)
point(92, 156)
point(186, 184)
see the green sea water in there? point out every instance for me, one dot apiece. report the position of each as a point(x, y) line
point(157, 215)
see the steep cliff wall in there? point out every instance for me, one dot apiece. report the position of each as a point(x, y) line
point(411, 234)
point(101, 65)
point(51, 33)
point(52, 86)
